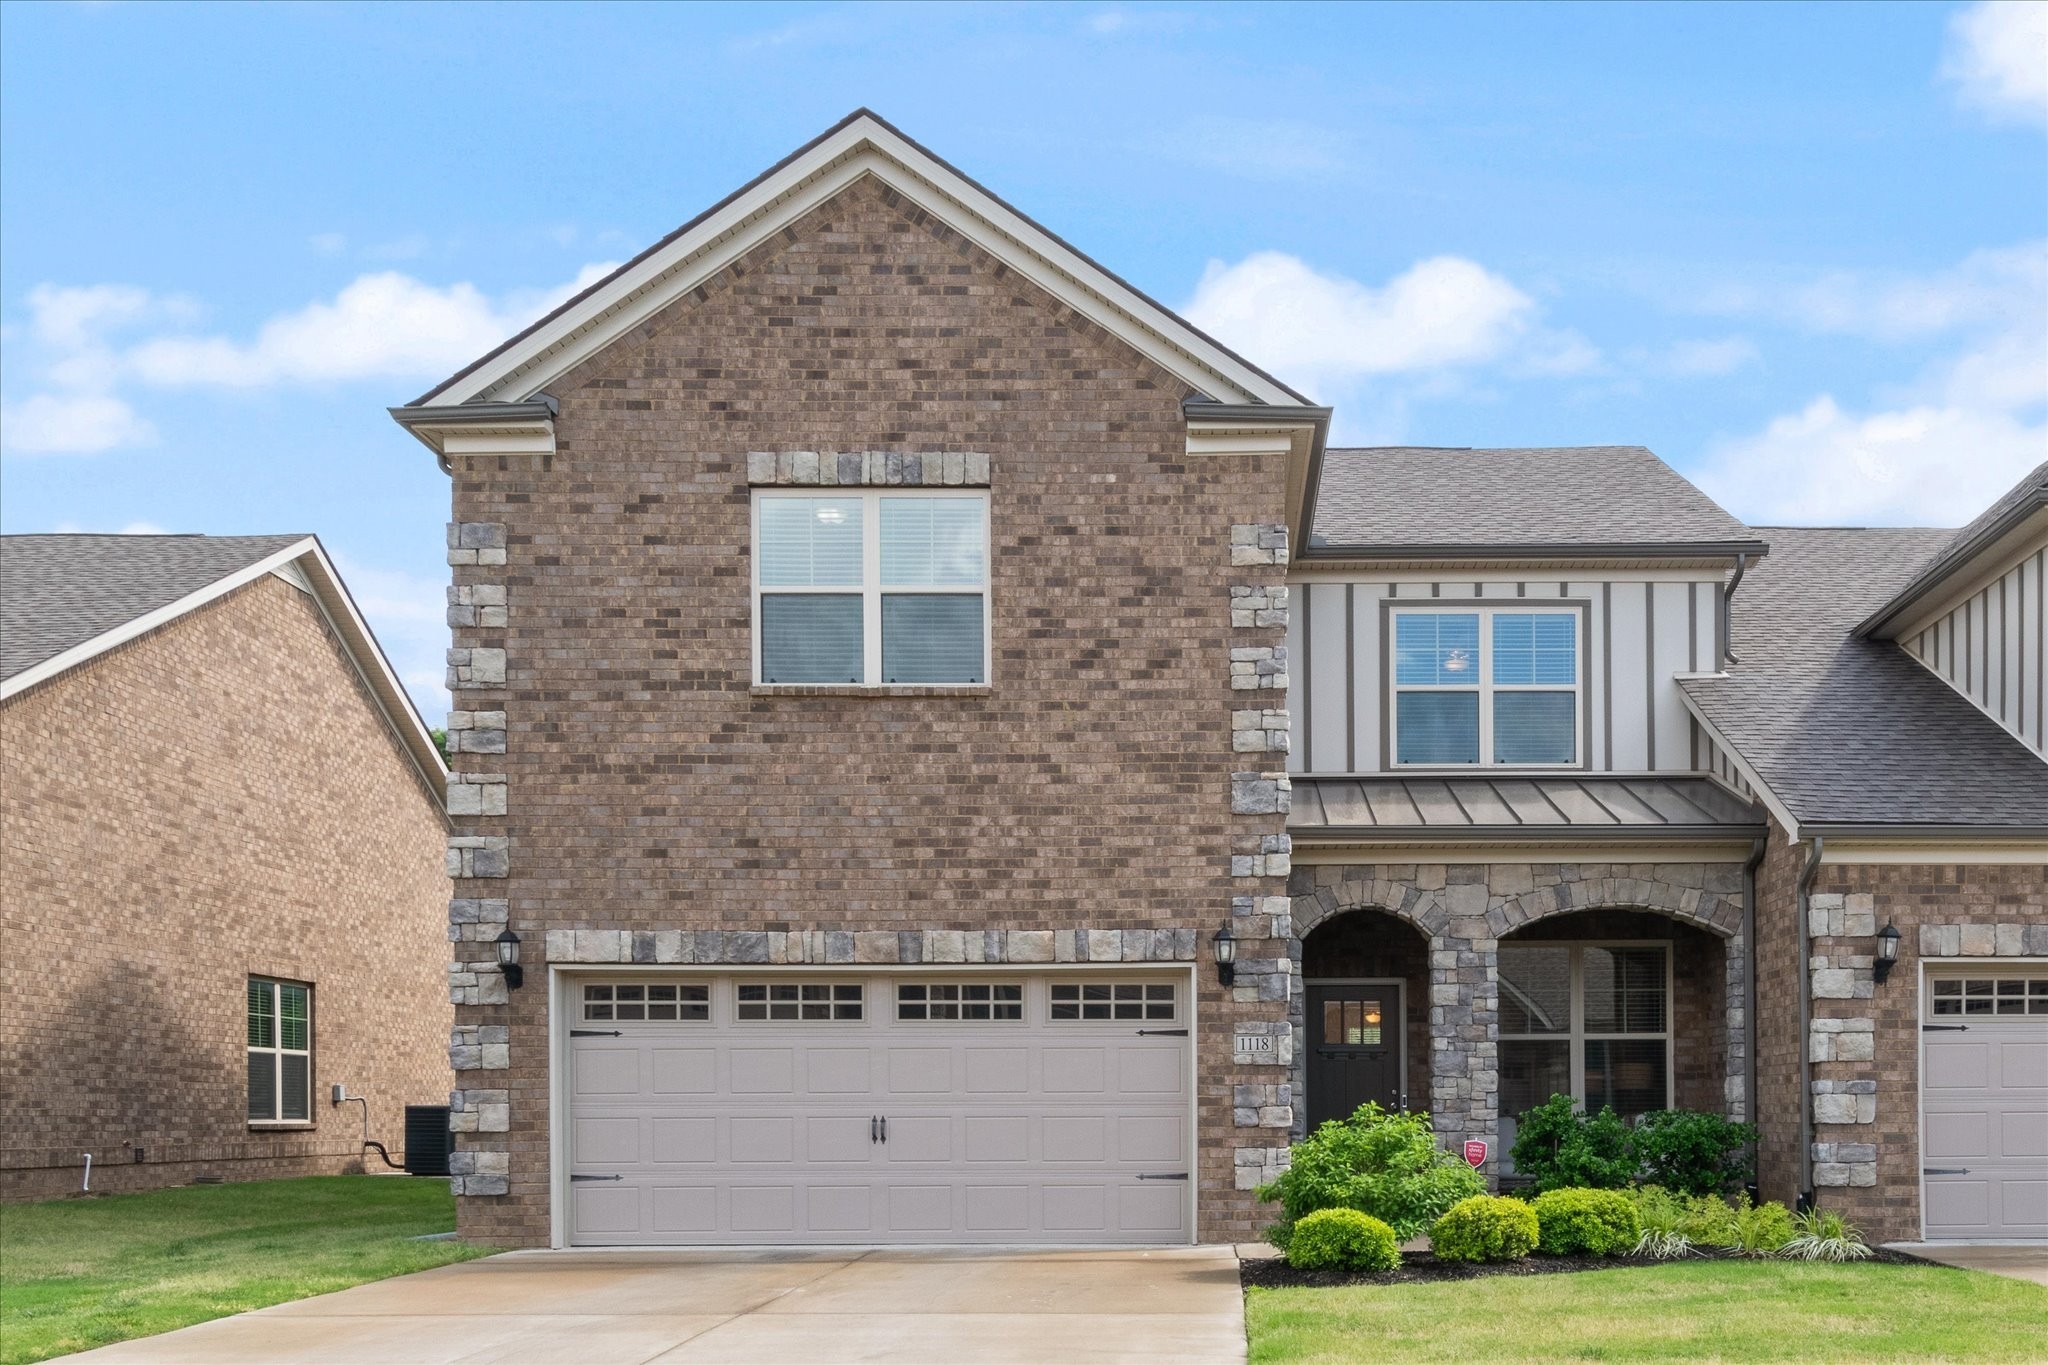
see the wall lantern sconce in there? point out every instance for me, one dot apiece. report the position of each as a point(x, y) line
point(1225, 944)
point(1887, 952)
point(508, 960)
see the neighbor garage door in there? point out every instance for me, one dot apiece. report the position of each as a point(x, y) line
point(785, 1108)
point(1984, 1097)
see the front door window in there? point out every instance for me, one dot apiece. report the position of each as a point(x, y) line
point(1354, 1048)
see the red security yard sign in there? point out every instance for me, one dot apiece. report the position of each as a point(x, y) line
point(1475, 1153)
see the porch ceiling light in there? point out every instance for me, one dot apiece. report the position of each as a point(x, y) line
point(1225, 944)
point(1887, 952)
point(508, 960)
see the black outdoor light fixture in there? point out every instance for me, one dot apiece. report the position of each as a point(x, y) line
point(508, 960)
point(1887, 952)
point(1225, 944)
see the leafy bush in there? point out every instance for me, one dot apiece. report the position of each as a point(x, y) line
point(1592, 1222)
point(1382, 1164)
point(1691, 1152)
point(1710, 1219)
point(1485, 1227)
point(1343, 1239)
point(1761, 1229)
point(1824, 1235)
point(1561, 1149)
point(1665, 1218)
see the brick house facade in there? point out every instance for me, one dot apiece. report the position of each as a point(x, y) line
point(219, 799)
point(1166, 749)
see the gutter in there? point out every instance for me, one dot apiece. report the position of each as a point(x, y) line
point(1555, 549)
point(420, 420)
point(1316, 417)
point(1804, 938)
point(1728, 655)
point(1411, 835)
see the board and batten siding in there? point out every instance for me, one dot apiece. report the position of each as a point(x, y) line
point(1993, 648)
point(1639, 633)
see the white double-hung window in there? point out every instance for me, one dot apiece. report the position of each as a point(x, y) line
point(280, 1050)
point(1486, 686)
point(871, 588)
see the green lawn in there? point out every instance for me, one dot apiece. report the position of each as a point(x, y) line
point(76, 1273)
point(1690, 1312)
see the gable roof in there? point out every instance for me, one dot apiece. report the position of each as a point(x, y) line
point(1846, 731)
point(861, 144)
point(2021, 503)
point(1390, 502)
point(65, 599)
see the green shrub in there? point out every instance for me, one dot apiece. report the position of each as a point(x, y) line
point(1589, 1222)
point(1760, 1230)
point(1824, 1235)
point(1382, 1164)
point(1710, 1219)
point(1485, 1227)
point(1561, 1149)
point(1664, 1217)
point(1343, 1239)
point(1690, 1152)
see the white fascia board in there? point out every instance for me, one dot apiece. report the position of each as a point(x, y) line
point(1993, 853)
point(1749, 774)
point(1991, 563)
point(863, 147)
point(148, 621)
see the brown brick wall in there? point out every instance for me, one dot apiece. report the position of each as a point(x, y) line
point(649, 788)
point(216, 799)
point(1910, 897)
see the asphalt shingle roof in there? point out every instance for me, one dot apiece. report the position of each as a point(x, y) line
point(59, 591)
point(1963, 545)
point(1568, 496)
point(1854, 731)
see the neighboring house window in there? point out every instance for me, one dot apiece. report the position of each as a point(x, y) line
point(280, 1051)
point(1589, 1020)
point(1487, 687)
point(966, 1000)
point(871, 588)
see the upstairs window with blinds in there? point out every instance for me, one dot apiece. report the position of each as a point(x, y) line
point(871, 589)
point(280, 1017)
point(1486, 687)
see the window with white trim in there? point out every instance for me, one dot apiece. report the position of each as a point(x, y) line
point(969, 1001)
point(1092, 1000)
point(1486, 687)
point(657, 1003)
point(871, 588)
point(280, 1048)
point(1589, 1020)
point(814, 1000)
point(1989, 995)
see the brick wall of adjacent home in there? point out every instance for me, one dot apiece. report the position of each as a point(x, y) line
point(1866, 1037)
point(216, 799)
point(649, 788)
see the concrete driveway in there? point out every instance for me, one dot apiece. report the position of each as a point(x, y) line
point(818, 1308)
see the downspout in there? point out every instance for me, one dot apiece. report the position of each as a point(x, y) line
point(1805, 940)
point(1727, 615)
point(1749, 1105)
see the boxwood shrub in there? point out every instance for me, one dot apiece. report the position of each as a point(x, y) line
point(1587, 1222)
point(1383, 1164)
point(1486, 1227)
point(1342, 1239)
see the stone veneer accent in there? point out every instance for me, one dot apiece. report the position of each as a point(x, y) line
point(1465, 909)
point(906, 947)
point(867, 469)
point(1265, 1101)
point(475, 922)
point(1984, 940)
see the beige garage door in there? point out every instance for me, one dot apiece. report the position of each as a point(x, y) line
point(1984, 1097)
point(785, 1109)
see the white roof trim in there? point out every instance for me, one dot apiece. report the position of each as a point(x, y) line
point(1741, 765)
point(304, 564)
point(863, 146)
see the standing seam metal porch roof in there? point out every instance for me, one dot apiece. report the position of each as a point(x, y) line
point(1404, 808)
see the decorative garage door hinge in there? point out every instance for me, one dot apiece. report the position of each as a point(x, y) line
point(595, 1033)
point(1944, 1170)
point(1177, 1175)
point(1162, 1033)
point(597, 1177)
point(1944, 1028)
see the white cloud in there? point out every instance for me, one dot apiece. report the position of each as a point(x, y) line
point(1705, 358)
point(1997, 58)
point(1262, 149)
point(1995, 286)
point(1322, 330)
point(71, 424)
point(133, 528)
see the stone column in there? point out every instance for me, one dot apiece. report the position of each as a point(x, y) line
point(1464, 1012)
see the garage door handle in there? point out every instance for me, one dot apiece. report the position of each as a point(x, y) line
point(1944, 1170)
point(1177, 1175)
point(596, 1177)
point(885, 1130)
point(594, 1033)
point(874, 1130)
point(1944, 1028)
point(1162, 1033)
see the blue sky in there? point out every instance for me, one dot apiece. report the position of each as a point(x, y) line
point(1800, 251)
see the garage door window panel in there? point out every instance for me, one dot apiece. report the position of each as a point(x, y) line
point(1087, 1002)
point(964, 1002)
point(807, 1001)
point(1980, 995)
point(632, 1002)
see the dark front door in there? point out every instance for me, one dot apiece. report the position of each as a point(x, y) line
point(1354, 1048)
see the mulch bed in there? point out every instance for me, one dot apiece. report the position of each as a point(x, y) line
point(1419, 1267)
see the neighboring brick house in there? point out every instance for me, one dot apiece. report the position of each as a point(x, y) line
point(221, 880)
point(898, 665)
